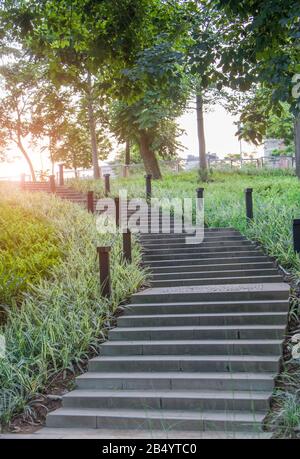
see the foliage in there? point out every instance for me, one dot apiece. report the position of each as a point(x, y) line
point(28, 249)
point(19, 83)
point(262, 43)
point(260, 119)
point(63, 317)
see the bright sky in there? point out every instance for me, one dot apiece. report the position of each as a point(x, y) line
point(220, 138)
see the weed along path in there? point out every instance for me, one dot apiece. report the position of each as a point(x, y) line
point(195, 355)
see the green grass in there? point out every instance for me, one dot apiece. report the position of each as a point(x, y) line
point(276, 195)
point(28, 249)
point(62, 316)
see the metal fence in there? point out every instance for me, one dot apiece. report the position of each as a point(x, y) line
point(174, 166)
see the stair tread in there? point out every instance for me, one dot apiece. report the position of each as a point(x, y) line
point(246, 395)
point(259, 287)
point(201, 327)
point(227, 358)
point(177, 375)
point(212, 303)
point(212, 315)
point(153, 413)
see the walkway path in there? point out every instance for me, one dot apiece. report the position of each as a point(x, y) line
point(197, 352)
point(194, 356)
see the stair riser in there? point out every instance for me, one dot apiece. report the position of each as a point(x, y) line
point(198, 253)
point(168, 384)
point(180, 240)
point(169, 403)
point(213, 260)
point(218, 281)
point(106, 422)
point(186, 248)
point(213, 274)
point(192, 349)
point(152, 335)
point(127, 321)
point(251, 295)
point(241, 267)
point(177, 365)
point(161, 308)
point(181, 243)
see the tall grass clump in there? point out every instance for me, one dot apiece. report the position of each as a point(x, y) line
point(28, 248)
point(62, 316)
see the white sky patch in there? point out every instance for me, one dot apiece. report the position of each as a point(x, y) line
point(219, 132)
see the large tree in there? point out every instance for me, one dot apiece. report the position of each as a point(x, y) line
point(260, 44)
point(156, 92)
point(17, 104)
point(100, 38)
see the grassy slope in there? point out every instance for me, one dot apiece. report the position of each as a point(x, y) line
point(63, 316)
point(276, 202)
point(28, 249)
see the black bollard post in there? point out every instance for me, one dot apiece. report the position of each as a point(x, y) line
point(296, 235)
point(61, 175)
point(90, 201)
point(249, 203)
point(127, 246)
point(200, 192)
point(106, 184)
point(104, 267)
point(52, 183)
point(148, 178)
point(117, 207)
point(22, 181)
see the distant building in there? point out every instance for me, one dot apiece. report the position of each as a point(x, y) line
point(192, 161)
point(272, 144)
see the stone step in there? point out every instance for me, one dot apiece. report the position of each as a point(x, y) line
point(156, 419)
point(199, 253)
point(225, 267)
point(179, 237)
point(168, 240)
point(216, 280)
point(207, 307)
point(48, 433)
point(206, 243)
point(164, 320)
point(213, 274)
point(193, 347)
point(176, 381)
point(197, 332)
point(199, 400)
point(235, 292)
point(183, 363)
point(204, 246)
point(213, 259)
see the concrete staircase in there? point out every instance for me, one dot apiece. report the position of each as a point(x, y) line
point(195, 355)
point(62, 192)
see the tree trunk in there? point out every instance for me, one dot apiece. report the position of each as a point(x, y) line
point(51, 155)
point(92, 126)
point(25, 154)
point(148, 156)
point(297, 145)
point(201, 134)
point(127, 153)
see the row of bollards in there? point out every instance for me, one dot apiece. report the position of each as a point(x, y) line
point(104, 252)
